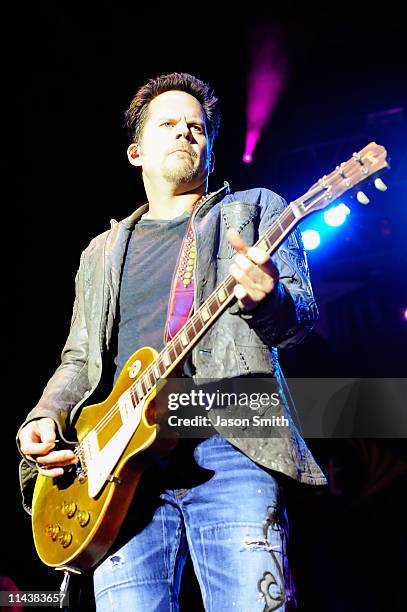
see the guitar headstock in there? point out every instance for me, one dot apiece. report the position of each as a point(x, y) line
point(364, 165)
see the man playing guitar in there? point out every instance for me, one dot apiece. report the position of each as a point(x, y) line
point(219, 497)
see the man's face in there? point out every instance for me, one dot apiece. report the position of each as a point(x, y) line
point(174, 144)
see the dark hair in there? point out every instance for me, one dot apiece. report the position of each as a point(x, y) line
point(137, 113)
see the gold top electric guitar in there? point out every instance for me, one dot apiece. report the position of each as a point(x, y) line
point(76, 517)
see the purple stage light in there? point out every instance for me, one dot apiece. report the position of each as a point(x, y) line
point(405, 314)
point(266, 81)
point(247, 158)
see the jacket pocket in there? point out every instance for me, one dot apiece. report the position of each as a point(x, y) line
point(240, 216)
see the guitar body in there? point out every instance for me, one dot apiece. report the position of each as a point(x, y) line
point(72, 528)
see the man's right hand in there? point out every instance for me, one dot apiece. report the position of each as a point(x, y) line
point(37, 441)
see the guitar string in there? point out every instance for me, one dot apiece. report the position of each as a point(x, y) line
point(211, 300)
point(106, 420)
point(149, 370)
point(171, 346)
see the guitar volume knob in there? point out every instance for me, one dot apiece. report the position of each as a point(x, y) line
point(52, 531)
point(69, 509)
point(65, 538)
point(83, 517)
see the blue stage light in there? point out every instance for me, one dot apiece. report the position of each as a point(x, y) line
point(337, 215)
point(311, 239)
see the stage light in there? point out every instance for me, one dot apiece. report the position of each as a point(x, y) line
point(405, 314)
point(266, 80)
point(337, 215)
point(311, 239)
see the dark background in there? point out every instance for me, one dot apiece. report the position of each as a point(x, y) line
point(75, 69)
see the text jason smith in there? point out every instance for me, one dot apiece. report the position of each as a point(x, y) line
point(204, 421)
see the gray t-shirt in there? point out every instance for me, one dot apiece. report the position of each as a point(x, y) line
point(148, 271)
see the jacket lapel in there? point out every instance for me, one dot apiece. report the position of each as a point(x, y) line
point(115, 252)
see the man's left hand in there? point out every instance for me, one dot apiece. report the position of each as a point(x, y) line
point(254, 271)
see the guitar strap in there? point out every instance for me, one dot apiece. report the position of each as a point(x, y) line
point(181, 302)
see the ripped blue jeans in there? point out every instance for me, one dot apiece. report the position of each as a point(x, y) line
point(222, 507)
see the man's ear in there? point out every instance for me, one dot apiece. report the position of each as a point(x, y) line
point(133, 155)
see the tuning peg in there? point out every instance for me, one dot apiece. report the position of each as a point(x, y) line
point(362, 198)
point(380, 185)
